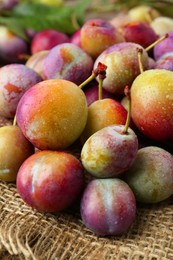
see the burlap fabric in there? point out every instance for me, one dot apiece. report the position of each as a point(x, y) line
point(28, 234)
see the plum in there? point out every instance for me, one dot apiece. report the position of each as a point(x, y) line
point(11, 46)
point(151, 63)
point(162, 25)
point(67, 61)
point(30, 33)
point(102, 113)
point(109, 151)
point(119, 19)
point(122, 64)
point(52, 114)
point(165, 62)
point(164, 46)
point(50, 181)
point(97, 35)
point(143, 13)
point(35, 62)
point(108, 206)
point(47, 39)
point(152, 99)
point(151, 175)
point(138, 32)
point(75, 38)
point(15, 80)
point(8, 4)
point(112, 149)
point(14, 150)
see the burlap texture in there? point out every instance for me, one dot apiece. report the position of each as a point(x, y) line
point(28, 234)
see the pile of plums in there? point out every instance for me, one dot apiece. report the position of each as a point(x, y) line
point(81, 106)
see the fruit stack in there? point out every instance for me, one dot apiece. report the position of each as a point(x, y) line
point(90, 115)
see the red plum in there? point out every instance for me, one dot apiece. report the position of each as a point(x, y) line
point(67, 61)
point(50, 181)
point(152, 104)
point(108, 206)
point(47, 39)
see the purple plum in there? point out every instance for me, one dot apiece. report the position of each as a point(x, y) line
point(164, 46)
point(108, 206)
point(11, 46)
point(15, 79)
point(8, 4)
point(67, 61)
point(165, 62)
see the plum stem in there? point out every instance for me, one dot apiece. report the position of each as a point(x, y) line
point(14, 121)
point(100, 70)
point(156, 42)
point(140, 52)
point(102, 75)
point(127, 93)
point(88, 80)
point(100, 88)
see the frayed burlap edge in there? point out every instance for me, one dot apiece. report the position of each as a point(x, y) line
point(28, 234)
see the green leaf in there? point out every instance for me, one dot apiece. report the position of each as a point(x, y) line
point(25, 9)
point(39, 17)
point(14, 26)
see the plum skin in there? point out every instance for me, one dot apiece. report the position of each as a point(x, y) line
point(11, 46)
point(163, 47)
point(152, 113)
point(57, 122)
point(108, 206)
point(50, 181)
point(102, 113)
point(15, 80)
point(109, 152)
point(75, 38)
point(8, 4)
point(140, 13)
point(98, 34)
point(14, 149)
point(122, 65)
point(151, 175)
point(67, 61)
point(35, 62)
point(138, 32)
point(165, 62)
point(47, 39)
